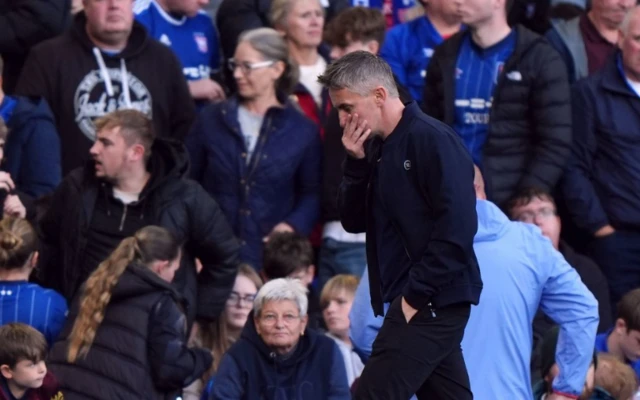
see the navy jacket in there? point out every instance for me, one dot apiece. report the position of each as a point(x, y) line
point(427, 186)
point(32, 150)
point(252, 371)
point(602, 178)
point(281, 183)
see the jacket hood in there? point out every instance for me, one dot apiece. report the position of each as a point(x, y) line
point(303, 349)
point(29, 109)
point(138, 38)
point(492, 223)
point(138, 280)
point(169, 160)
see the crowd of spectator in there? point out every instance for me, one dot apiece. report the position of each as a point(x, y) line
point(170, 225)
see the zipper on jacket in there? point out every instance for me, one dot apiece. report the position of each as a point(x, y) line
point(124, 216)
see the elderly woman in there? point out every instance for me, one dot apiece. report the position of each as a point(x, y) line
point(276, 357)
point(255, 153)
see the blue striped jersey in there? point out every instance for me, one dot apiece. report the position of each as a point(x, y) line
point(477, 72)
point(31, 304)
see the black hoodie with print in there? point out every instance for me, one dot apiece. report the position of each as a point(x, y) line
point(81, 83)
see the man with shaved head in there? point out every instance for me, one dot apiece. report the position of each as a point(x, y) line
point(603, 175)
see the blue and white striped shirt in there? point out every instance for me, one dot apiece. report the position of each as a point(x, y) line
point(477, 74)
point(28, 303)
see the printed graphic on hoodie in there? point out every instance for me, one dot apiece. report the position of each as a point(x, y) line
point(105, 90)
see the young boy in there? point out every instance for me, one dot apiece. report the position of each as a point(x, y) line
point(289, 255)
point(23, 373)
point(623, 340)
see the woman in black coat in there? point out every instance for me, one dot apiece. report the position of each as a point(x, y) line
point(126, 335)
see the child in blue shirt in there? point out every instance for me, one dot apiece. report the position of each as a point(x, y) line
point(623, 340)
point(20, 300)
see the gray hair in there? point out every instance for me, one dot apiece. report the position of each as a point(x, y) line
point(624, 26)
point(359, 72)
point(272, 46)
point(282, 289)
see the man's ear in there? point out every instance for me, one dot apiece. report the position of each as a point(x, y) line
point(380, 94)
point(373, 46)
point(312, 270)
point(6, 371)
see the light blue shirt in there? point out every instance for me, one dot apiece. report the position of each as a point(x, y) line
point(521, 271)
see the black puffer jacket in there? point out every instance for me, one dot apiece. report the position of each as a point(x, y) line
point(182, 206)
point(529, 136)
point(23, 24)
point(140, 349)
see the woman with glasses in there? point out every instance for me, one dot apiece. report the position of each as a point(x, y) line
point(256, 153)
point(218, 336)
point(277, 357)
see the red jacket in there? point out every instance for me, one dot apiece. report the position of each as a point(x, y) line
point(48, 391)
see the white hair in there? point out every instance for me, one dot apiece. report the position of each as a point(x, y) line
point(282, 289)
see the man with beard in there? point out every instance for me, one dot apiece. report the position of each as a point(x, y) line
point(136, 180)
point(106, 62)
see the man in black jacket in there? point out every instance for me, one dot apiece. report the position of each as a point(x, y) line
point(23, 24)
point(416, 202)
point(505, 92)
point(357, 28)
point(135, 180)
point(106, 62)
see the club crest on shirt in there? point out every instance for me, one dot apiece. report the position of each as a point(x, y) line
point(458, 73)
point(499, 69)
point(201, 41)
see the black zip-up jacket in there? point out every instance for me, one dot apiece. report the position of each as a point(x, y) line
point(334, 155)
point(140, 349)
point(181, 206)
point(529, 137)
point(426, 184)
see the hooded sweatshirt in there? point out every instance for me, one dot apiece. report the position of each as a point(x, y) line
point(528, 272)
point(82, 83)
point(250, 370)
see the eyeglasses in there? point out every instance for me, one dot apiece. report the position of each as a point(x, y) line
point(246, 67)
point(235, 298)
point(531, 216)
point(271, 319)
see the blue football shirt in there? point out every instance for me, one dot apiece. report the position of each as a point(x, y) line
point(477, 73)
point(194, 40)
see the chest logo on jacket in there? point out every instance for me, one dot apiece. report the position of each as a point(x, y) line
point(92, 99)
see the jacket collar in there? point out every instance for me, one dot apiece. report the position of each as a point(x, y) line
point(613, 78)
point(525, 40)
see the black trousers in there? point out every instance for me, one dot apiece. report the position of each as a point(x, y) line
point(422, 357)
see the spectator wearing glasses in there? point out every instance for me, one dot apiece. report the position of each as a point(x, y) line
point(256, 153)
point(536, 206)
point(218, 336)
point(277, 357)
